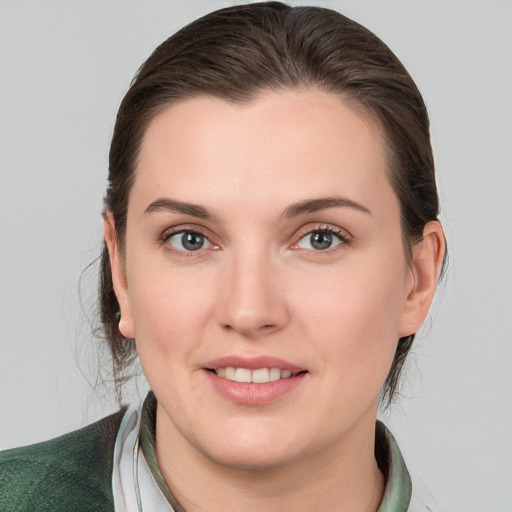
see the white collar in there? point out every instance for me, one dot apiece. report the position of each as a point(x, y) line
point(133, 485)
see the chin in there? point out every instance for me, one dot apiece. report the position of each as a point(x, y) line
point(252, 461)
point(254, 452)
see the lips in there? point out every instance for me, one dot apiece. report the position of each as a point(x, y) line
point(253, 381)
point(253, 363)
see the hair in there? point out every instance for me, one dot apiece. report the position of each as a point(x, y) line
point(239, 52)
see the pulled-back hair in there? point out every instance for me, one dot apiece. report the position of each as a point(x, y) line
point(239, 52)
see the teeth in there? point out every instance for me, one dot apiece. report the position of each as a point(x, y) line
point(261, 375)
point(274, 374)
point(243, 375)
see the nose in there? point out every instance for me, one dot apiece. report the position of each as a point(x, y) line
point(251, 297)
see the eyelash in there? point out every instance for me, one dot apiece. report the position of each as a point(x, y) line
point(181, 230)
point(342, 235)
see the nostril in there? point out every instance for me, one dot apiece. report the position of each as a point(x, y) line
point(262, 328)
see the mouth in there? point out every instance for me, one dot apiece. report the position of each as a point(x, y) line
point(254, 381)
point(256, 376)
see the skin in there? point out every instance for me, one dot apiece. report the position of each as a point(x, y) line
point(259, 287)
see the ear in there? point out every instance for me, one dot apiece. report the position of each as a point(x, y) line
point(426, 264)
point(126, 325)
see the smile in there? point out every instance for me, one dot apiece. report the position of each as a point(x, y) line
point(257, 380)
point(257, 376)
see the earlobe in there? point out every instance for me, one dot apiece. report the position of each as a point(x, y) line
point(426, 265)
point(126, 325)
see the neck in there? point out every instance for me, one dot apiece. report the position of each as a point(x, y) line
point(342, 477)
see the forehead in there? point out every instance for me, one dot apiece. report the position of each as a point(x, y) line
point(281, 145)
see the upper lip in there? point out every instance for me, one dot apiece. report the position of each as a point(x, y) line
point(253, 363)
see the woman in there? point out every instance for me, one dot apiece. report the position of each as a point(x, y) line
point(272, 246)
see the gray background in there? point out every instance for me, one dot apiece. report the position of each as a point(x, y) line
point(64, 68)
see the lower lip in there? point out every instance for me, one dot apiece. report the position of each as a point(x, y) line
point(248, 393)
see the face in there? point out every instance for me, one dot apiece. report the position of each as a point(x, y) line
point(264, 276)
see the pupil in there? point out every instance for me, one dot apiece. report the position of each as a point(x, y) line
point(192, 241)
point(321, 241)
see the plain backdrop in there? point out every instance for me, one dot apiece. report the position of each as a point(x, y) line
point(65, 66)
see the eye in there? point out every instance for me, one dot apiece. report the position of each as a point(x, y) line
point(319, 240)
point(188, 241)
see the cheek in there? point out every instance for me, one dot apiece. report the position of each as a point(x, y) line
point(170, 311)
point(353, 318)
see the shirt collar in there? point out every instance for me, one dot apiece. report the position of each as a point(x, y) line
point(398, 490)
point(147, 442)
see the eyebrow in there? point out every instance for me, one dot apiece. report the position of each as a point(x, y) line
point(294, 210)
point(171, 205)
point(315, 205)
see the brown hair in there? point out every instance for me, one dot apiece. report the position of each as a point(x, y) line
point(237, 52)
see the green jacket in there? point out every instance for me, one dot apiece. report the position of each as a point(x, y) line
point(81, 462)
point(74, 472)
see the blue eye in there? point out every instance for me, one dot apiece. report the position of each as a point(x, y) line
point(189, 241)
point(319, 241)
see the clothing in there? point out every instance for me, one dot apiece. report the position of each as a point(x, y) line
point(69, 473)
point(112, 463)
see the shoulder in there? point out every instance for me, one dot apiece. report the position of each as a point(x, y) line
point(71, 472)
